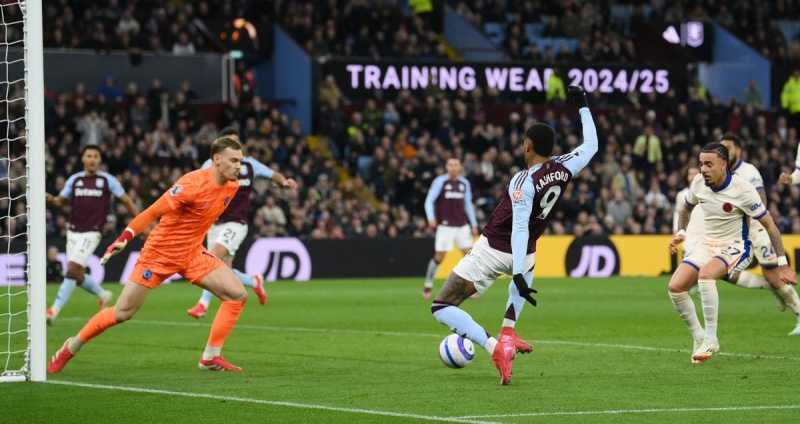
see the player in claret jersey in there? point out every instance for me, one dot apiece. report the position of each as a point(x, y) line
point(231, 229)
point(449, 209)
point(186, 212)
point(508, 242)
point(88, 194)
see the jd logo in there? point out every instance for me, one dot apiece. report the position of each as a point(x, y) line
point(593, 256)
point(282, 258)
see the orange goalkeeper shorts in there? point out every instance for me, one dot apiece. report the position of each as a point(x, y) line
point(151, 276)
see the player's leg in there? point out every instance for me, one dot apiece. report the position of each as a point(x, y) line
point(474, 273)
point(211, 273)
point(88, 243)
point(708, 275)
point(132, 298)
point(445, 241)
point(514, 306)
point(683, 279)
point(786, 293)
point(62, 296)
point(430, 273)
point(765, 255)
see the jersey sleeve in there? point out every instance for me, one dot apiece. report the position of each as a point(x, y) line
point(751, 204)
point(115, 186)
point(680, 204)
point(259, 169)
point(469, 208)
point(577, 159)
point(433, 194)
point(521, 192)
point(66, 192)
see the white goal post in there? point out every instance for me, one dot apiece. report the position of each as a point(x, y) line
point(23, 332)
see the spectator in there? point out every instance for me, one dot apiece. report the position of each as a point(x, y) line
point(647, 150)
point(555, 88)
point(183, 46)
point(752, 95)
point(619, 209)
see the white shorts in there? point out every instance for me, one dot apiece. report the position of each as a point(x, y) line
point(229, 234)
point(736, 254)
point(762, 247)
point(80, 246)
point(690, 244)
point(449, 237)
point(483, 264)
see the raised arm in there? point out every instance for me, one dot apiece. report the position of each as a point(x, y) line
point(577, 159)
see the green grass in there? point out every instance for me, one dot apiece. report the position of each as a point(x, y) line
point(372, 344)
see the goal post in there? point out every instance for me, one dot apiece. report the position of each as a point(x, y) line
point(23, 299)
point(37, 249)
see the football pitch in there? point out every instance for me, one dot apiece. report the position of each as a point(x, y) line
point(606, 351)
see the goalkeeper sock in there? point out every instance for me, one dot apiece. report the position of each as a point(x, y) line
point(205, 298)
point(709, 298)
point(226, 318)
point(685, 308)
point(462, 323)
point(97, 324)
point(247, 280)
point(91, 286)
point(790, 298)
point(64, 293)
point(515, 302)
point(749, 280)
point(430, 273)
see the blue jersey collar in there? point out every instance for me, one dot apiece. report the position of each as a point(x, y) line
point(725, 183)
point(737, 165)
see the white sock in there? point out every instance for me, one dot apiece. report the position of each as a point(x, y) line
point(750, 280)
point(430, 273)
point(460, 322)
point(91, 286)
point(685, 308)
point(790, 298)
point(64, 293)
point(210, 352)
point(709, 298)
point(205, 298)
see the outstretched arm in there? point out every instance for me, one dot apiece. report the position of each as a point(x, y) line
point(138, 224)
point(521, 191)
point(577, 159)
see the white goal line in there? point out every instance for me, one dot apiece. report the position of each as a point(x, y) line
point(637, 411)
point(297, 405)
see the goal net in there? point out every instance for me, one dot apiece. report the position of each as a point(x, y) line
point(22, 209)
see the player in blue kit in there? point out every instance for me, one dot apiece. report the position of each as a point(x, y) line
point(449, 209)
point(508, 242)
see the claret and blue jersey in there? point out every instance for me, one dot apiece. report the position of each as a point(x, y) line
point(526, 209)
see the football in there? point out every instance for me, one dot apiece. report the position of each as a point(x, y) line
point(456, 351)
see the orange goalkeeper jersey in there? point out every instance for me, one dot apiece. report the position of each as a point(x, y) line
point(196, 201)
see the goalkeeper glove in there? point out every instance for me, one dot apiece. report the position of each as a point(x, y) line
point(523, 289)
point(118, 245)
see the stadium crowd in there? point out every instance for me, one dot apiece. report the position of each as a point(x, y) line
point(397, 147)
